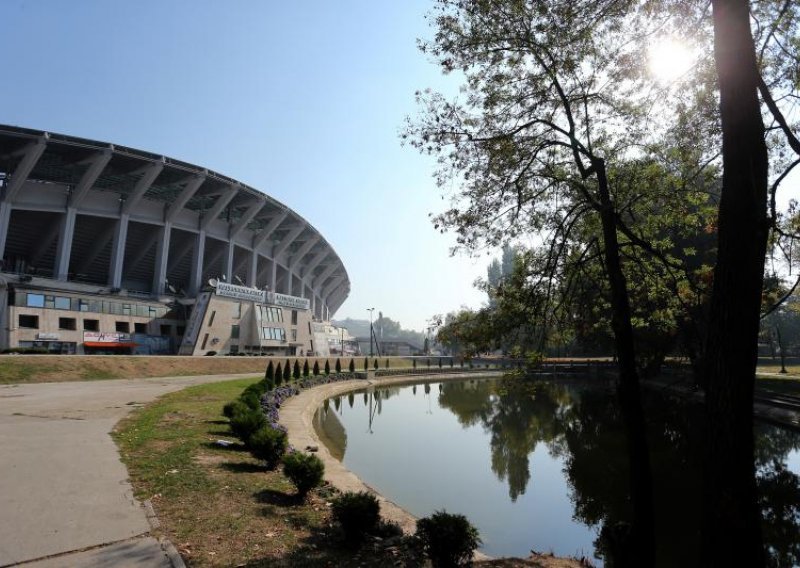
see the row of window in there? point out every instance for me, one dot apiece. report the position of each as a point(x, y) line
point(270, 314)
point(274, 333)
point(98, 306)
point(70, 324)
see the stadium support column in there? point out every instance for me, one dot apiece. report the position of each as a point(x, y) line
point(191, 185)
point(97, 164)
point(32, 153)
point(289, 281)
point(229, 252)
point(121, 231)
point(162, 255)
point(252, 272)
point(196, 275)
point(273, 279)
point(65, 234)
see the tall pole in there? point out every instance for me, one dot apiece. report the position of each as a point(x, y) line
point(370, 310)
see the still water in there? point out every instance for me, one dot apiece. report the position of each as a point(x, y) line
point(541, 464)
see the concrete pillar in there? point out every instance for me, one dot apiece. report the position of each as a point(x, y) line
point(230, 249)
point(196, 274)
point(118, 251)
point(252, 273)
point(289, 282)
point(65, 234)
point(273, 280)
point(162, 257)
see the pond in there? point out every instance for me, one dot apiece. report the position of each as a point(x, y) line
point(541, 464)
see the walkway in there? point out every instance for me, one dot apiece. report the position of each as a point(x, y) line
point(65, 499)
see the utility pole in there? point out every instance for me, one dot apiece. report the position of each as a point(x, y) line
point(371, 334)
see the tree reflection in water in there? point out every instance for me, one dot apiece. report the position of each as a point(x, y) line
point(583, 425)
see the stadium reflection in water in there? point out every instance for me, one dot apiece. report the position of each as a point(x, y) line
point(542, 464)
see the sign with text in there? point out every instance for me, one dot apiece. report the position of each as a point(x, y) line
point(289, 301)
point(100, 337)
point(241, 292)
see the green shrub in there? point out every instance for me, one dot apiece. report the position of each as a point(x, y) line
point(358, 513)
point(251, 400)
point(448, 540)
point(304, 470)
point(305, 368)
point(366, 363)
point(245, 424)
point(414, 363)
point(316, 368)
point(234, 407)
point(386, 366)
point(327, 367)
point(375, 364)
point(296, 372)
point(352, 365)
point(269, 445)
point(269, 375)
point(287, 372)
point(278, 377)
point(338, 366)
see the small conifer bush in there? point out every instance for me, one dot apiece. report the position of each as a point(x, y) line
point(316, 368)
point(338, 366)
point(357, 513)
point(327, 367)
point(287, 372)
point(352, 366)
point(296, 373)
point(245, 424)
point(268, 445)
point(305, 471)
point(306, 370)
point(448, 540)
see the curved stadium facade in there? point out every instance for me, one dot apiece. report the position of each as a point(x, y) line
point(110, 249)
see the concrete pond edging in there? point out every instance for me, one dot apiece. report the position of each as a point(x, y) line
point(297, 415)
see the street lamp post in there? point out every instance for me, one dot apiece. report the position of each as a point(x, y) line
point(370, 310)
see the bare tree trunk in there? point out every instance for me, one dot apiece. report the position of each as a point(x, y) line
point(731, 521)
point(642, 545)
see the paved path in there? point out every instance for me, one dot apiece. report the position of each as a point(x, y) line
point(65, 499)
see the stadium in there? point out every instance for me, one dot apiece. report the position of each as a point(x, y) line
point(108, 249)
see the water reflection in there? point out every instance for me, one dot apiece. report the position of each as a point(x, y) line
point(536, 432)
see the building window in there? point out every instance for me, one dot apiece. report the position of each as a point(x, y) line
point(66, 323)
point(35, 301)
point(294, 335)
point(91, 325)
point(49, 302)
point(211, 319)
point(294, 317)
point(234, 350)
point(83, 305)
point(62, 303)
point(181, 329)
point(140, 328)
point(123, 327)
point(273, 333)
point(237, 310)
point(205, 340)
point(166, 330)
point(126, 309)
point(29, 322)
point(234, 332)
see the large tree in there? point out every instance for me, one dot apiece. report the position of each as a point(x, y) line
point(555, 102)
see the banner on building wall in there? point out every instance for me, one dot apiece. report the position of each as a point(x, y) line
point(241, 292)
point(105, 337)
point(289, 301)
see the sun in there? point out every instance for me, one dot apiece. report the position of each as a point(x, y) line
point(669, 60)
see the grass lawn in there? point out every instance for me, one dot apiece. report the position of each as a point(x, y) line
point(218, 505)
point(770, 365)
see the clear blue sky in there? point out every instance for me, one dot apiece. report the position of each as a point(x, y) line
point(303, 100)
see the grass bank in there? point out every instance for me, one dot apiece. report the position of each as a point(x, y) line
point(61, 368)
point(220, 507)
